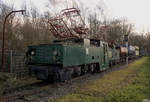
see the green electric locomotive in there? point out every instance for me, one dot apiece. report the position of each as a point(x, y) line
point(75, 54)
point(63, 59)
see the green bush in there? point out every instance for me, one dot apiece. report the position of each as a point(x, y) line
point(4, 82)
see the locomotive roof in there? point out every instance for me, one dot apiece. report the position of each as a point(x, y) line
point(68, 40)
point(74, 40)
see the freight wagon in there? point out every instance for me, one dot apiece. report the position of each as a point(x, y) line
point(122, 52)
point(136, 51)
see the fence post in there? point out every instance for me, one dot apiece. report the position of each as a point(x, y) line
point(11, 61)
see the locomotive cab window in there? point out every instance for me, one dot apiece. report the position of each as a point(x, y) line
point(95, 42)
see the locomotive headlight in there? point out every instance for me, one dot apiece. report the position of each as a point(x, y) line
point(55, 52)
point(32, 53)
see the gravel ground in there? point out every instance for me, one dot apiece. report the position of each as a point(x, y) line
point(42, 91)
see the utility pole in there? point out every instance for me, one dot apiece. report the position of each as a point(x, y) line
point(126, 37)
point(3, 38)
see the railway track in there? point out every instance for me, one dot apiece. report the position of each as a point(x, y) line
point(43, 90)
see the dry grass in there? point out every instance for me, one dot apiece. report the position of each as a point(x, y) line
point(100, 89)
point(8, 83)
point(4, 80)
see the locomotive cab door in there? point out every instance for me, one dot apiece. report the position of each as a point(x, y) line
point(104, 56)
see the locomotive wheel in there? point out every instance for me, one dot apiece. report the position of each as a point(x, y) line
point(68, 75)
point(110, 64)
point(92, 68)
point(50, 79)
point(84, 69)
point(77, 71)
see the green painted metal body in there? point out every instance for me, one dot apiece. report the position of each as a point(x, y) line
point(44, 54)
point(113, 54)
point(70, 54)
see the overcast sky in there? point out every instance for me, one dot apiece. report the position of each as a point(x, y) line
point(136, 11)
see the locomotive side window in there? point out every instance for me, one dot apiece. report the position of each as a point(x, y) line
point(95, 42)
